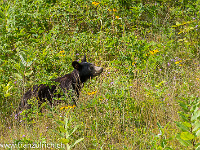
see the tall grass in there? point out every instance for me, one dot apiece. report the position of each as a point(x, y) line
point(147, 96)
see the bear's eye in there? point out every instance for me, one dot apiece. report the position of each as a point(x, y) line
point(91, 67)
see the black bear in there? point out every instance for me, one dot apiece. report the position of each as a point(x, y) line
point(70, 84)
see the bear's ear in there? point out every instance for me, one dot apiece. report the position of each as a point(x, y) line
point(84, 59)
point(76, 65)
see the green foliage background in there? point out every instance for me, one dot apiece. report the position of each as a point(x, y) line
point(150, 54)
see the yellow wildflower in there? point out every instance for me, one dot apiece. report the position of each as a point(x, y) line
point(117, 17)
point(109, 10)
point(95, 3)
point(114, 9)
point(62, 108)
point(61, 52)
point(133, 63)
point(67, 107)
point(177, 62)
point(92, 93)
point(154, 51)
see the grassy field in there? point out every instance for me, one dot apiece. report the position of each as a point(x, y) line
point(146, 98)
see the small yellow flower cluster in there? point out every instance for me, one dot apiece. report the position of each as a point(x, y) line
point(67, 107)
point(154, 51)
point(178, 62)
point(95, 3)
point(112, 10)
point(117, 17)
point(133, 63)
point(92, 93)
point(62, 53)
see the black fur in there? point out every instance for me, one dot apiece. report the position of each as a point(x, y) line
point(70, 84)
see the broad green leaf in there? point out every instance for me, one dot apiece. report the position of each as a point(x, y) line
point(184, 117)
point(183, 142)
point(182, 127)
point(187, 124)
point(197, 112)
point(198, 133)
point(186, 136)
point(196, 125)
point(194, 117)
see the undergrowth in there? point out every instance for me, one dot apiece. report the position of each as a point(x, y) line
point(146, 98)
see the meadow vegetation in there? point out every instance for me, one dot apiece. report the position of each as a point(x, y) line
point(146, 98)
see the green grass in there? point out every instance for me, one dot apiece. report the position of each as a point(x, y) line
point(146, 98)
